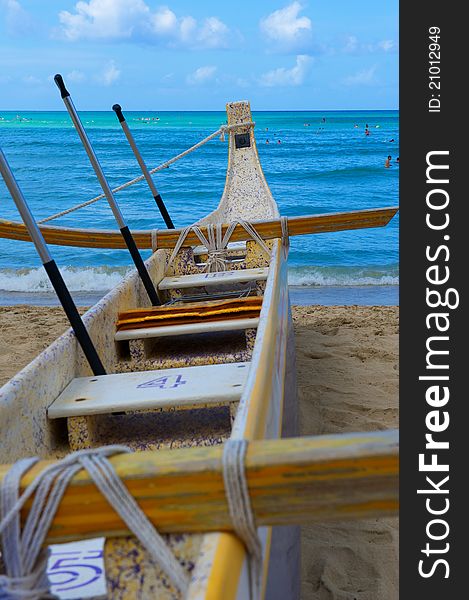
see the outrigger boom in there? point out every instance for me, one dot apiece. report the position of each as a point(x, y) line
point(267, 229)
point(294, 480)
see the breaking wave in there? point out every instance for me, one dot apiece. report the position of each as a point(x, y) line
point(78, 279)
point(102, 279)
point(343, 276)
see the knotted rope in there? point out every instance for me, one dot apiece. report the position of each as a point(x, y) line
point(217, 243)
point(24, 563)
point(242, 517)
point(219, 132)
point(285, 235)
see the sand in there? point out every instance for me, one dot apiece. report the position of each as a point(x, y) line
point(347, 363)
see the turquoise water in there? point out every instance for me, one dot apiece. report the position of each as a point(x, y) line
point(318, 167)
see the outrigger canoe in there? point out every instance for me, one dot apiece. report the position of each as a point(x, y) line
point(214, 362)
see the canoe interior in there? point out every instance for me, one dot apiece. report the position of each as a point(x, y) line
point(216, 561)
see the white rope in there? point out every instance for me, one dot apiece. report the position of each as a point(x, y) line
point(217, 245)
point(154, 240)
point(242, 517)
point(221, 131)
point(25, 565)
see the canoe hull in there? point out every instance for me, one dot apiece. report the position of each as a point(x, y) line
point(217, 561)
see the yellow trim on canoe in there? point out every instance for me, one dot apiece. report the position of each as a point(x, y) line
point(226, 568)
point(230, 554)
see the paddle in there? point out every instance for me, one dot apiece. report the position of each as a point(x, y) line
point(125, 231)
point(52, 270)
point(156, 195)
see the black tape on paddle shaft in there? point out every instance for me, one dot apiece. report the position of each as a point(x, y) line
point(164, 212)
point(75, 320)
point(140, 266)
point(61, 85)
point(118, 110)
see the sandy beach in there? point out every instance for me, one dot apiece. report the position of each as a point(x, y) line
point(347, 364)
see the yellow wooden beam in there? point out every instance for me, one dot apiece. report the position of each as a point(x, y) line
point(101, 238)
point(295, 480)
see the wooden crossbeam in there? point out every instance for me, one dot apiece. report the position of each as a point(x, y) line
point(294, 480)
point(101, 238)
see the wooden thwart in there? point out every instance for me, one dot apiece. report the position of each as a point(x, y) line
point(101, 238)
point(143, 390)
point(217, 278)
point(186, 329)
point(295, 480)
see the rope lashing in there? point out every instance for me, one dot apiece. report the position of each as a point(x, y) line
point(216, 243)
point(285, 234)
point(25, 564)
point(154, 240)
point(221, 132)
point(242, 517)
point(25, 561)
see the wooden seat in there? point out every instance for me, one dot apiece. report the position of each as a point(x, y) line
point(234, 247)
point(218, 278)
point(145, 390)
point(140, 333)
point(88, 400)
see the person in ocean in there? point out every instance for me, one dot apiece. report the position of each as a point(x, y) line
point(387, 162)
point(279, 142)
point(267, 141)
point(367, 131)
point(397, 160)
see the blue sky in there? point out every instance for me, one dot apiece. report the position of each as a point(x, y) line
point(184, 55)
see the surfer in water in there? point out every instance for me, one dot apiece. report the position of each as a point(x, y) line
point(387, 162)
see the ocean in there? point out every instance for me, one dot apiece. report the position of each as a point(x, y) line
point(323, 163)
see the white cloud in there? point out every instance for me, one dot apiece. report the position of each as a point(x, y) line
point(282, 76)
point(134, 20)
point(110, 74)
point(31, 80)
point(105, 19)
point(17, 20)
point(351, 45)
point(213, 34)
point(201, 75)
point(364, 77)
point(75, 76)
point(354, 46)
point(286, 28)
point(386, 45)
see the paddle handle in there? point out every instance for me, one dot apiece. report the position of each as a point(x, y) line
point(146, 173)
point(61, 85)
point(118, 110)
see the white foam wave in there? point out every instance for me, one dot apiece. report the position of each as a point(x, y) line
point(102, 279)
point(78, 279)
point(341, 276)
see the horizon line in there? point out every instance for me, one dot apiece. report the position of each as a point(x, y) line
point(208, 110)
